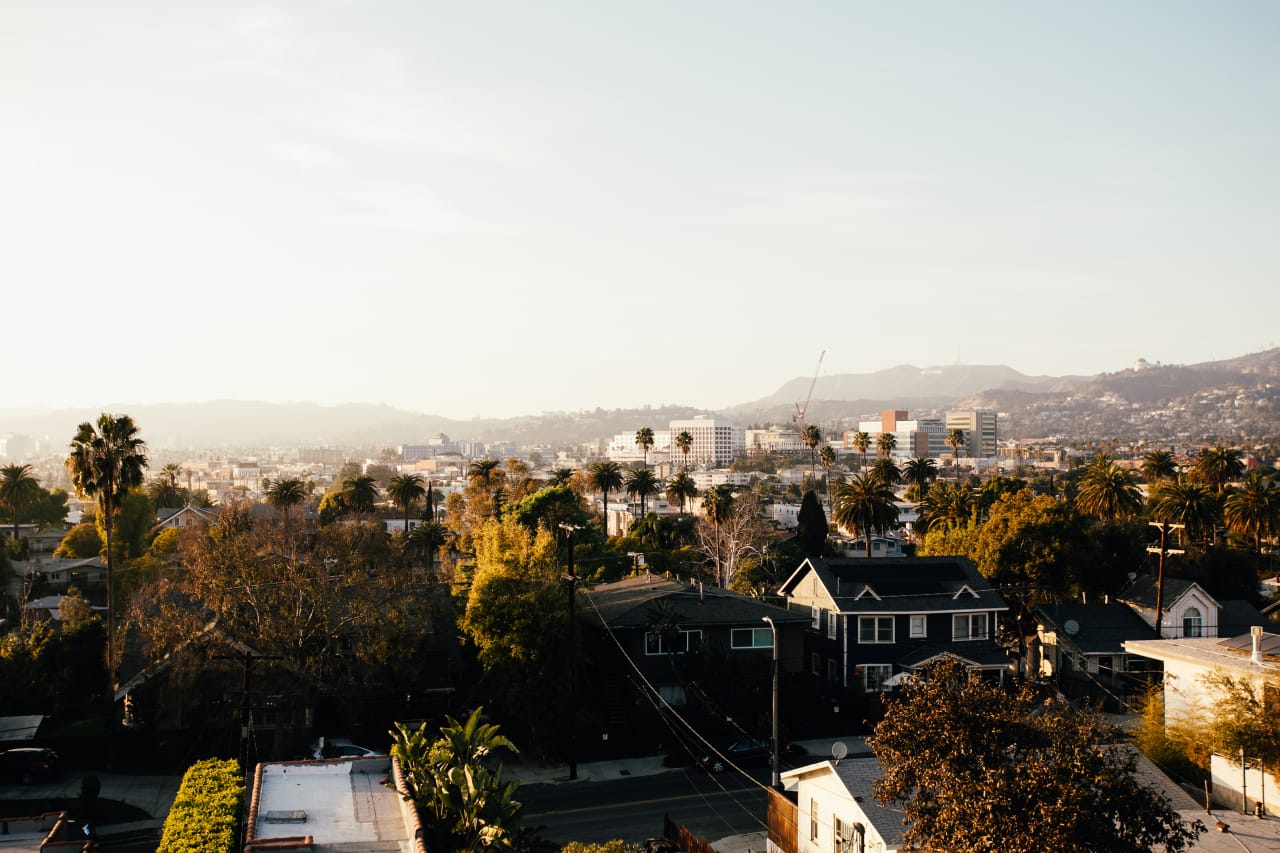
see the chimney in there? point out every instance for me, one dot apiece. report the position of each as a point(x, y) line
point(1256, 657)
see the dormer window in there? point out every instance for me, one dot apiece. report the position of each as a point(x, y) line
point(1192, 622)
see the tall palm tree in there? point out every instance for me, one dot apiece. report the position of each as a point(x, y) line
point(1158, 465)
point(920, 471)
point(955, 440)
point(681, 488)
point(827, 459)
point(951, 504)
point(284, 493)
point(1185, 501)
point(1218, 466)
point(886, 443)
point(605, 476)
point(1253, 510)
point(171, 472)
point(642, 482)
point(812, 437)
point(561, 476)
point(887, 470)
point(360, 493)
point(481, 472)
point(684, 443)
point(425, 539)
point(865, 505)
point(717, 505)
point(644, 441)
point(107, 459)
point(18, 487)
point(1108, 491)
point(861, 442)
point(406, 490)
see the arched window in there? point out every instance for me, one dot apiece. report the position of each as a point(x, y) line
point(1192, 622)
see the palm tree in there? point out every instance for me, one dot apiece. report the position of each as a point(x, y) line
point(360, 493)
point(425, 539)
point(812, 437)
point(887, 470)
point(861, 441)
point(886, 443)
point(604, 476)
point(642, 482)
point(285, 493)
point(951, 504)
point(1253, 510)
point(865, 505)
point(681, 488)
point(955, 440)
point(18, 487)
point(561, 476)
point(684, 442)
point(1219, 465)
point(920, 472)
point(406, 490)
point(1108, 491)
point(1185, 501)
point(106, 461)
point(481, 472)
point(644, 440)
point(1158, 465)
point(717, 505)
point(827, 459)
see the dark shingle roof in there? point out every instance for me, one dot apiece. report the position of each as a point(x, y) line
point(1100, 628)
point(628, 603)
point(919, 584)
point(1236, 616)
point(1142, 591)
point(984, 653)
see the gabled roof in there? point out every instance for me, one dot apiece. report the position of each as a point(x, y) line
point(1237, 616)
point(857, 775)
point(1096, 629)
point(899, 584)
point(1142, 592)
point(983, 654)
point(628, 603)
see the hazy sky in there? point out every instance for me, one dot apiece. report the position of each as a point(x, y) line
point(503, 208)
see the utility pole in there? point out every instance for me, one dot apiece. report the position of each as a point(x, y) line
point(1164, 528)
point(773, 744)
point(571, 581)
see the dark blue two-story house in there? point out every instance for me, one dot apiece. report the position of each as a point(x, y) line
point(873, 619)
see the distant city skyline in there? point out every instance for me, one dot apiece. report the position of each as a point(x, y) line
point(561, 207)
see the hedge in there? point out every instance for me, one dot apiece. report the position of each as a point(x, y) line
point(203, 818)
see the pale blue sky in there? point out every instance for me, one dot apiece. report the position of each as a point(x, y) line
point(504, 208)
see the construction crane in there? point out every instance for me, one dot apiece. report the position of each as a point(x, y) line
point(801, 410)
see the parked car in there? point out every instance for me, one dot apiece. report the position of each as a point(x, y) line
point(339, 747)
point(28, 764)
point(745, 753)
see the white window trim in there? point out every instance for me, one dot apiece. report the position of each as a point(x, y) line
point(755, 633)
point(924, 626)
point(832, 625)
point(686, 634)
point(893, 628)
point(886, 668)
point(815, 617)
point(969, 617)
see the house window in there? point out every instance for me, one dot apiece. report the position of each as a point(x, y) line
point(813, 820)
point(874, 676)
point(875, 629)
point(969, 626)
point(832, 622)
point(815, 663)
point(1192, 622)
point(816, 614)
point(919, 626)
point(751, 638)
point(849, 837)
point(688, 641)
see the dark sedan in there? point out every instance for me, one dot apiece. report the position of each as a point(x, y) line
point(28, 764)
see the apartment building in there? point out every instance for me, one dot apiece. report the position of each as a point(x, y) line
point(914, 437)
point(979, 426)
point(714, 442)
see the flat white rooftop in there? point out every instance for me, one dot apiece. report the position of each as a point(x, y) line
point(341, 804)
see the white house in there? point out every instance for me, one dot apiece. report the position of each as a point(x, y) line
point(837, 811)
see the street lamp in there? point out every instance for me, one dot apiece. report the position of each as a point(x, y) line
point(571, 581)
point(773, 745)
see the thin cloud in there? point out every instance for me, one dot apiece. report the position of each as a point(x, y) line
point(304, 155)
point(404, 209)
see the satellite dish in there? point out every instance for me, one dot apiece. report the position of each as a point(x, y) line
point(1072, 627)
point(839, 750)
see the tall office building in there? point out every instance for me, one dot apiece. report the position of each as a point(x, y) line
point(979, 426)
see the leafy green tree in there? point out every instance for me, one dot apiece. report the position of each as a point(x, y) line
point(811, 526)
point(406, 490)
point(81, 542)
point(464, 802)
point(863, 506)
point(549, 508)
point(975, 768)
point(684, 443)
point(1253, 510)
point(360, 494)
point(605, 476)
point(1219, 465)
point(106, 461)
point(1108, 491)
point(1158, 465)
point(681, 489)
point(644, 441)
point(18, 488)
point(134, 520)
point(1034, 546)
point(642, 483)
point(1245, 716)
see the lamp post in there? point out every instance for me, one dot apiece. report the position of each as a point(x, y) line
point(773, 743)
point(571, 581)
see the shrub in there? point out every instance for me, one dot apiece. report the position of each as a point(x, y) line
point(203, 818)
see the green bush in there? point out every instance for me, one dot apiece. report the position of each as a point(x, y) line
point(204, 814)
